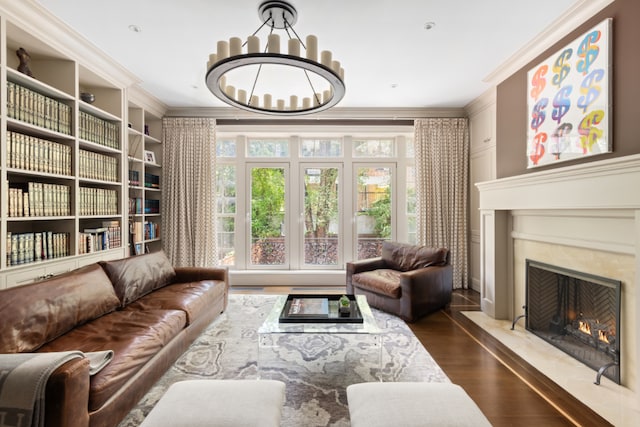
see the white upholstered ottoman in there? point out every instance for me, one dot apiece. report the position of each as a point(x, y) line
point(412, 404)
point(220, 403)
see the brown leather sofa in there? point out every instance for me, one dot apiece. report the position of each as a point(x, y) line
point(140, 307)
point(406, 280)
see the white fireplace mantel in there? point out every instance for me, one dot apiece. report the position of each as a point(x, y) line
point(607, 184)
point(590, 209)
point(612, 185)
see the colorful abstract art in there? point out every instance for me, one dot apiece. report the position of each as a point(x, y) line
point(568, 101)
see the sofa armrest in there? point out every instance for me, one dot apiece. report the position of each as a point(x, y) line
point(429, 287)
point(355, 267)
point(196, 274)
point(67, 395)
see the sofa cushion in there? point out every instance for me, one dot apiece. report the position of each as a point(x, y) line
point(193, 298)
point(136, 276)
point(34, 314)
point(405, 257)
point(134, 336)
point(382, 281)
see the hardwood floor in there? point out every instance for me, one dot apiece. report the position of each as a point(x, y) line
point(507, 389)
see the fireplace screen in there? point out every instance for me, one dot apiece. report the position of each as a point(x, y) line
point(577, 312)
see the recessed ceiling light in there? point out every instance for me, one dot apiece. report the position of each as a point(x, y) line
point(429, 25)
point(135, 28)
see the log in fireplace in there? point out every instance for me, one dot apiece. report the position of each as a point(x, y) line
point(577, 312)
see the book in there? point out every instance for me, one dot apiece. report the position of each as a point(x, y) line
point(309, 307)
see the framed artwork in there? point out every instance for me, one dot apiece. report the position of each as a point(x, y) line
point(149, 156)
point(569, 101)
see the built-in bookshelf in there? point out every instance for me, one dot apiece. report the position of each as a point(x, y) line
point(69, 163)
point(62, 160)
point(145, 178)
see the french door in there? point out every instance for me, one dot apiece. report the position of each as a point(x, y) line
point(320, 212)
point(375, 207)
point(268, 216)
point(295, 220)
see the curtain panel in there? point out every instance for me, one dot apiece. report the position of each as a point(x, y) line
point(442, 189)
point(188, 197)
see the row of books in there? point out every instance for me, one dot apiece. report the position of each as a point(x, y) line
point(151, 180)
point(37, 154)
point(97, 166)
point(25, 248)
point(35, 108)
point(100, 131)
point(151, 206)
point(97, 201)
point(99, 239)
point(134, 178)
point(135, 205)
point(39, 199)
point(146, 230)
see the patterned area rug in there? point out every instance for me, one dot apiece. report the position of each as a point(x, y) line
point(316, 368)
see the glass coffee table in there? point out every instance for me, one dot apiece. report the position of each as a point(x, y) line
point(322, 347)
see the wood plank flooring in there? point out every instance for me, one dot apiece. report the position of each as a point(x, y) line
point(507, 389)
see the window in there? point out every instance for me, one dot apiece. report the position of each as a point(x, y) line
point(312, 202)
point(321, 212)
point(267, 237)
point(226, 148)
point(268, 148)
point(226, 210)
point(321, 148)
point(374, 209)
point(373, 148)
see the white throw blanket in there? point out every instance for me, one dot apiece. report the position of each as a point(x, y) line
point(23, 380)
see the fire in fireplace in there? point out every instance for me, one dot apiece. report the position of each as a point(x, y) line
point(577, 312)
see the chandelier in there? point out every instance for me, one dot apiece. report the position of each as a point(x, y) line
point(268, 81)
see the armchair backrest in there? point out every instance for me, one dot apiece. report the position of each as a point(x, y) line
point(406, 257)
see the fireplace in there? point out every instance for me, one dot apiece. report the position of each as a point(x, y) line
point(577, 312)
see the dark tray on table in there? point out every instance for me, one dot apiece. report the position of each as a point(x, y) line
point(315, 310)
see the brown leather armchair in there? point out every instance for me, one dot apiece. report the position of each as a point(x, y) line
point(406, 280)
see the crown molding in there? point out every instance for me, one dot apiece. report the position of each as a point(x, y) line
point(482, 102)
point(43, 25)
point(335, 113)
point(576, 15)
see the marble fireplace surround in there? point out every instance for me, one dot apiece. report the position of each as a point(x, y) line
point(584, 217)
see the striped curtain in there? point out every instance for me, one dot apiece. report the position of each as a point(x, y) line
point(442, 185)
point(188, 197)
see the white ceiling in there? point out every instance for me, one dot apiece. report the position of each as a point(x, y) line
point(380, 43)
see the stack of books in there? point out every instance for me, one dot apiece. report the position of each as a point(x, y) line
point(98, 239)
